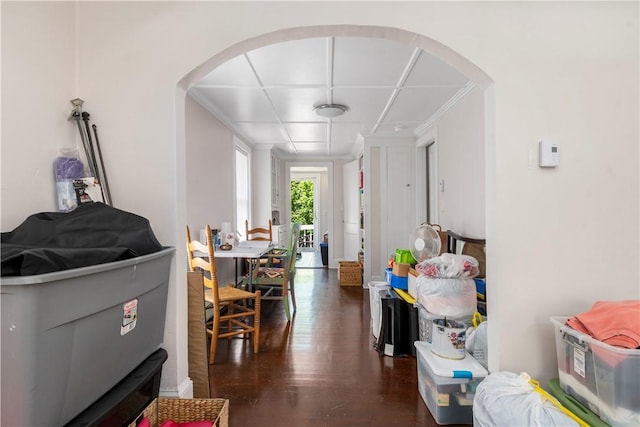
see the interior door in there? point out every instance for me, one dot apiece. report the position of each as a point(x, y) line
point(350, 180)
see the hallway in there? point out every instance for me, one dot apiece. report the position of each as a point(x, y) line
point(309, 259)
point(319, 370)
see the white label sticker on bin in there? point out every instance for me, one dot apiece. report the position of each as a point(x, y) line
point(578, 361)
point(129, 316)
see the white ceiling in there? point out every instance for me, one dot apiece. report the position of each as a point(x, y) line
point(267, 95)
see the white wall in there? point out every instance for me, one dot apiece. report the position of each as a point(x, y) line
point(335, 217)
point(461, 164)
point(260, 187)
point(350, 212)
point(210, 157)
point(38, 48)
point(566, 71)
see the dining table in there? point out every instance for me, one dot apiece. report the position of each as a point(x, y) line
point(246, 249)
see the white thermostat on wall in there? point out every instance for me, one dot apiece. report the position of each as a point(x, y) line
point(549, 154)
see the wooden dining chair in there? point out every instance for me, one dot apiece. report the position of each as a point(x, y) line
point(278, 282)
point(232, 315)
point(262, 234)
point(258, 233)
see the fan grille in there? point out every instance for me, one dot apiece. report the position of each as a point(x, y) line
point(425, 243)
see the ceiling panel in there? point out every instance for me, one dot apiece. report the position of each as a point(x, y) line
point(346, 132)
point(262, 132)
point(241, 104)
point(312, 147)
point(286, 148)
point(296, 104)
point(298, 62)
point(310, 132)
point(418, 104)
point(341, 149)
point(235, 72)
point(429, 70)
point(369, 62)
point(364, 104)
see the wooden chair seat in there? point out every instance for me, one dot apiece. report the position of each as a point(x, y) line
point(226, 294)
point(271, 272)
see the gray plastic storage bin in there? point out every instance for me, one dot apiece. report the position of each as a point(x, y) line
point(69, 336)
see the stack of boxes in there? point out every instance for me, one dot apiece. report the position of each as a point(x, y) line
point(446, 386)
point(397, 274)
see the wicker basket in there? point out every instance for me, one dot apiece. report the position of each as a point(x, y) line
point(350, 273)
point(183, 410)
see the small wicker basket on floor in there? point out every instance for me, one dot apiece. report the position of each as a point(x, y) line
point(183, 410)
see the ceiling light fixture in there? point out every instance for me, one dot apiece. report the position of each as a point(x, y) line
point(330, 110)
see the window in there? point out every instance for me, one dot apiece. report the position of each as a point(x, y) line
point(242, 188)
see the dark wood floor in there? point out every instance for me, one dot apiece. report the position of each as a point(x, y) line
point(320, 369)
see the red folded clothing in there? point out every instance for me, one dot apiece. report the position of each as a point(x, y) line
point(616, 323)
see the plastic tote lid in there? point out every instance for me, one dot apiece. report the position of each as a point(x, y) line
point(450, 368)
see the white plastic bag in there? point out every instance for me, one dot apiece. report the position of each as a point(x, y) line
point(477, 343)
point(508, 399)
point(447, 297)
point(449, 266)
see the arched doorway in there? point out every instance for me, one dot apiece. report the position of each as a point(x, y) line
point(480, 79)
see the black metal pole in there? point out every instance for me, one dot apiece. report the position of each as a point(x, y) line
point(85, 118)
point(85, 143)
point(105, 186)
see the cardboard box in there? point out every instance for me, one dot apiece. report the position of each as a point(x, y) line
point(401, 269)
point(350, 273)
point(412, 279)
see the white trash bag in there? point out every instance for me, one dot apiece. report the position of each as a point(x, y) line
point(509, 399)
point(477, 343)
point(447, 297)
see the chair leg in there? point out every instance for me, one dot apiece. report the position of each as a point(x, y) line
point(285, 299)
point(256, 324)
point(229, 323)
point(293, 292)
point(215, 329)
point(287, 310)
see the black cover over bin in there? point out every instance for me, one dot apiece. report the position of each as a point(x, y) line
point(91, 234)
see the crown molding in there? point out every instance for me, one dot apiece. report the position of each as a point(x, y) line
point(444, 109)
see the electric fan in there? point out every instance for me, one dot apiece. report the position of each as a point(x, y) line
point(425, 242)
